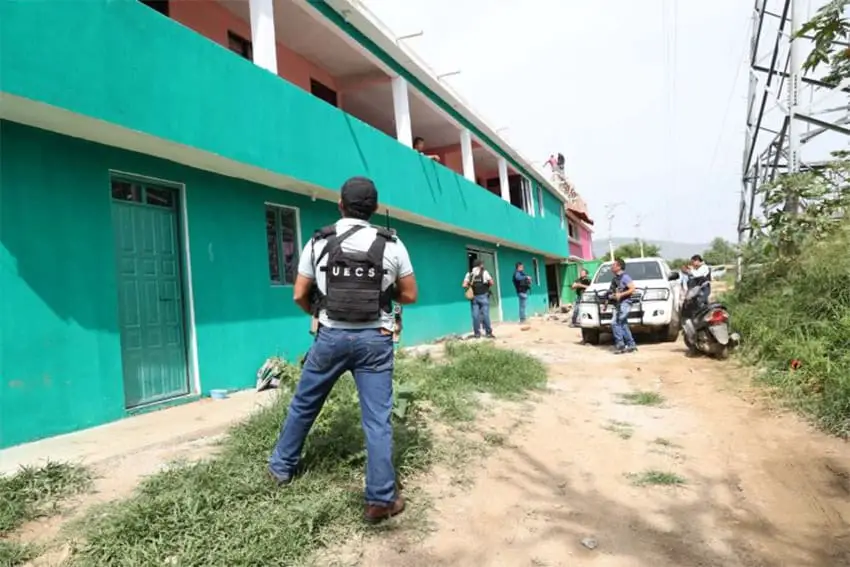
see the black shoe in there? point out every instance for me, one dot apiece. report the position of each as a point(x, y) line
point(619, 350)
point(278, 479)
point(489, 336)
point(632, 348)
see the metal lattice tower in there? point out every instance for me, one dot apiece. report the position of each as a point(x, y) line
point(794, 120)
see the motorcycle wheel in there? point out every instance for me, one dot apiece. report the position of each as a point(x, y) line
point(723, 353)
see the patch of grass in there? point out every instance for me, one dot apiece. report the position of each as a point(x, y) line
point(655, 478)
point(13, 553)
point(642, 398)
point(664, 443)
point(623, 429)
point(793, 314)
point(36, 492)
point(225, 511)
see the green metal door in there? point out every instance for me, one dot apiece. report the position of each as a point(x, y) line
point(150, 292)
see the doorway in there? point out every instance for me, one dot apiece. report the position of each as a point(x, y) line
point(553, 285)
point(151, 318)
point(491, 264)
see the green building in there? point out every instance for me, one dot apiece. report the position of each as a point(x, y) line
point(162, 163)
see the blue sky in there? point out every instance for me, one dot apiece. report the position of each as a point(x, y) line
point(645, 99)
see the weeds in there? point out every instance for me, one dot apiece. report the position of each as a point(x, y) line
point(36, 492)
point(794, 317)
point(623, 429)
point(15, 553)
point(642, 398)
point(655, 478)
point(225, 511)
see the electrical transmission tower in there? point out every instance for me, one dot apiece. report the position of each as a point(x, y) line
point(794, 120)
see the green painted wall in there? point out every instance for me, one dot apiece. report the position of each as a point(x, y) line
point(160, 78)
point(60, 365)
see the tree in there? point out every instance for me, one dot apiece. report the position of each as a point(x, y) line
point(829, 29)
point(632, 250)
point(677, 263)
point(720, 252)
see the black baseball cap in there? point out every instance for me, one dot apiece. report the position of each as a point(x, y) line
point(359, 195)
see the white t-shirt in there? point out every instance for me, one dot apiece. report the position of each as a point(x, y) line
point(700, 272)
point(396, 265)
point(467, 279)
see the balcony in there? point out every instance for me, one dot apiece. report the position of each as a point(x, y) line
point(131, 77)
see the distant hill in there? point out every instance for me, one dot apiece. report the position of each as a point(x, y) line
point(669, 250)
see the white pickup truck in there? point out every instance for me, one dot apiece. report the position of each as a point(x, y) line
point(655, 304)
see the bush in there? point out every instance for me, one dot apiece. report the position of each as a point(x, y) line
point(794, 317)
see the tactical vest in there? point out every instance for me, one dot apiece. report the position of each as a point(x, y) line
point(479, 286)
point(353, 280)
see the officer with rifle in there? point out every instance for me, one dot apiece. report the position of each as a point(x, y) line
point(348, 275)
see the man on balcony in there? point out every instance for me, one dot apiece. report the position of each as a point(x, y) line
point(349, 273)
point(419, 146)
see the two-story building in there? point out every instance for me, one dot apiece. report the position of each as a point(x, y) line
point(163, 162)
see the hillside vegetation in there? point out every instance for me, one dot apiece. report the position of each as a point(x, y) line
point(793, 304)
point(794, 316)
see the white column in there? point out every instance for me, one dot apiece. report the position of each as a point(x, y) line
point(466, 154)
point(262, 34)
point(401, 107)
point(503, 180)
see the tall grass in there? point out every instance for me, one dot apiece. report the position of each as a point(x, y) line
point(225, 511)
point(794, 317)
point(30, 494)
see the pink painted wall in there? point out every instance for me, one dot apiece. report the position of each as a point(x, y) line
point(586, 237)
point(212, 20)
point(583, 248)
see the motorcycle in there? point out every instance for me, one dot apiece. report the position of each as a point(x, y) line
point(705, 325)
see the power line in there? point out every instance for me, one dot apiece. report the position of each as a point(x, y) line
point(742, 63)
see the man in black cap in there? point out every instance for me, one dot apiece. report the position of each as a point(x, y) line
point(357, 270)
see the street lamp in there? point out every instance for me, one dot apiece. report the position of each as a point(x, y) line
point(409, 36)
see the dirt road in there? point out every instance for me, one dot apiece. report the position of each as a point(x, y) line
point(758, 487)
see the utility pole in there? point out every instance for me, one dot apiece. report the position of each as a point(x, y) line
point(638, 221)
point(795, 127)
point(609, 212)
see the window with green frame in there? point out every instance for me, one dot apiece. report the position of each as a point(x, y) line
point(283, 240)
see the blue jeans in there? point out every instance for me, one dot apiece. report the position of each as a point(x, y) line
point(575, 311)
point(620, 326)
point(481, 314)
point(368, 354)
point(523, 301)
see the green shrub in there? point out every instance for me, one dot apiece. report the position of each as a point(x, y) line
point(798, 309)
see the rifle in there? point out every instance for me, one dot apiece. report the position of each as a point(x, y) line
point(396, 307)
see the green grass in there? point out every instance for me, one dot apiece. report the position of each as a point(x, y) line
point(655, 478)
point(798, 309)
point(224, 511)
point(642, 398)
point(37, 492)
point(14, 553)
point(623, 429)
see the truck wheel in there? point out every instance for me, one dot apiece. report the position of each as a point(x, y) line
point(671, 332)
point(590, 336)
